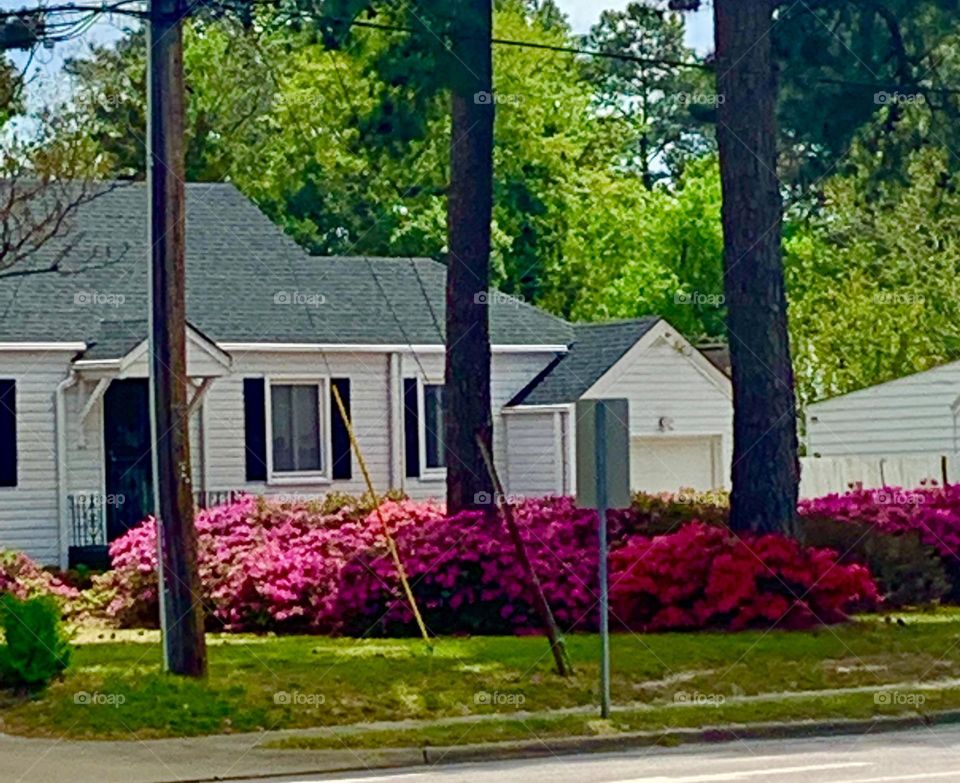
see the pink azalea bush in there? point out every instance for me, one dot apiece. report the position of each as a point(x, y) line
point(263, 566)
point(706, 577)
point(22, 578)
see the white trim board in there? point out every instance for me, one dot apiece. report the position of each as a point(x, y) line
point(377, 348)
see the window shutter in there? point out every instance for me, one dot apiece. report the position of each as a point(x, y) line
point(255, 428)
point(8, 433)
point(342, 461)
point(411, 428)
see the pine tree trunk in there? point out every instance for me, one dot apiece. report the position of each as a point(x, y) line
point(469, 214)
point(766, 471)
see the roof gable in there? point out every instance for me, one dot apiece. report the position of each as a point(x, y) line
point(596, 349)
point(247, 282)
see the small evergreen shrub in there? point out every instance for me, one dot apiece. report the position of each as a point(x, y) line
point(35, 648)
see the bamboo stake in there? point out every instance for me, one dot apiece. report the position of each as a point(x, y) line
point(391, 544)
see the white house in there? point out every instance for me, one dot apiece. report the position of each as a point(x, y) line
point(272, 331)
point(911, 416)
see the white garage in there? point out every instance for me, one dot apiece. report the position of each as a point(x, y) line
point(668, 464)
point(681, 411)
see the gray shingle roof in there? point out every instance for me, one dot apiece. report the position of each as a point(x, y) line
point(596, 348)
point(246, 282)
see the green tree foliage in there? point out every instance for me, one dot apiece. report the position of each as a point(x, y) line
point(666, 109)
point(632, 251)
point(873, 280)
point(852, 70)
point(10, 91)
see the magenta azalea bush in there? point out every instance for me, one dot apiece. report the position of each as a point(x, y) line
point(467, 578)
point(933, 512)
point(704, 576)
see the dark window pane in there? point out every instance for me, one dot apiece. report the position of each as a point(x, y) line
point(8, 433)
point(433, 424)
point(255, 429)
point(295, 417)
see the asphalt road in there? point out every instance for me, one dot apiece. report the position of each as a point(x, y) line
point(917, 755)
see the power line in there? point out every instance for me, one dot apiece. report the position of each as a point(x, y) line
point(75, 28)
point(120, 7)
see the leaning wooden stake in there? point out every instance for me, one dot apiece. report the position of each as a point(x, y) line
point(557, 645)
point(391, 544)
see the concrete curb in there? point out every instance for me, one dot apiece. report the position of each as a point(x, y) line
point(671, 737)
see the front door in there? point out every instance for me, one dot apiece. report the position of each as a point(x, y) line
point(128, 462)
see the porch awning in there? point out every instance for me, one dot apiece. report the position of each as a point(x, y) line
point(121, 351)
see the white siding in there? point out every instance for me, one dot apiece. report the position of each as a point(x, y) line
point(28, 512)
point(224, 432)
point(84, 441)
point(535, 464)
point(510, 372)
point(663, 384)
point(907, 416)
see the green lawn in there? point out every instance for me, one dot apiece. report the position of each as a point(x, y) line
point(114, 689)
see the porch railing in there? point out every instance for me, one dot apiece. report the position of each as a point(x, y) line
point(88, 519)
point(88, 526)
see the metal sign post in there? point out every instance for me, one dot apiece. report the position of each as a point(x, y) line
point(603, 482)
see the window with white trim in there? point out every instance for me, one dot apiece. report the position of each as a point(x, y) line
point(297, 414)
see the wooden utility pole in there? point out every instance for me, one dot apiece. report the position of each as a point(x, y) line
point(180, 611)
point(469, 213)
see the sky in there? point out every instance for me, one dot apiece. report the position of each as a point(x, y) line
point(584, 13)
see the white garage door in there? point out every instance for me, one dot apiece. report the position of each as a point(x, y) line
point(667, 464)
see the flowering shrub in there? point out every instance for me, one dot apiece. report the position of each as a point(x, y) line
point(663, 513)
point(467, 578)
point(705, 577)
point(933, 512)
point(923, 524)
point(262, 565)
point(304, 568)
point(24, 579)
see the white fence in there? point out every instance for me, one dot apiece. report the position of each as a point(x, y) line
point(824, 475)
